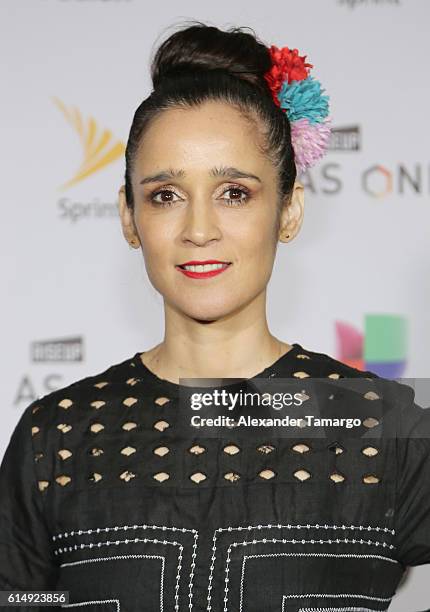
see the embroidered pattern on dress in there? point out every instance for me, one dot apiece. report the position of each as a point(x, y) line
point(121, 558)
point(94, 602)
point(273, 540)
point(354, 609)
point(336, 595)
point(217, 532)
point(336, 555)
point(294, 541)
point(116, 528)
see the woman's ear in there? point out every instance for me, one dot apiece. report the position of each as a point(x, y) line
point(292, 213)
point(127, 221)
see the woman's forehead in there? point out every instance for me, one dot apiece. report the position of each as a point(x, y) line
point(202, 137)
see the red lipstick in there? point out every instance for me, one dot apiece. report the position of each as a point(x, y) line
point(208, 273)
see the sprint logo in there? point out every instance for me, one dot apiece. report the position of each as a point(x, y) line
point(99, 147)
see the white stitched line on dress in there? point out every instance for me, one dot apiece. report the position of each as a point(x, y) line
point(370, 597)
point(279, 526)
point(325, 555)
point(290, 526)
point(135, 540)
point(90, 603)
point(121, 558)
point(125, 527)
point(339, 610)
point(80, 532)
point(268, 541)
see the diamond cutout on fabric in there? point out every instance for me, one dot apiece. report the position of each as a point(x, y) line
point(231, 449)
point(301, 448)
point(129, 425)
point(64, 454)
point(232, 476)
point(370, 422)
point(161, 476)
point(162, 400)
point(198, 477)
point(63, 480)
point(370, 479)
point(302, 475)
point(371, 395)
point(102, 384)
point(161, 451)
point(127, 475)
point(129, 401)
point(266, 474)
point(161, 425)
point(265, 449)
point(197, 449)
point(128, 450)
point(336, 448)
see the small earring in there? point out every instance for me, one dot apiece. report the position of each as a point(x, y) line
point(133, 242)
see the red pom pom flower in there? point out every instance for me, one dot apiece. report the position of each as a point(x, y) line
point(287, 65)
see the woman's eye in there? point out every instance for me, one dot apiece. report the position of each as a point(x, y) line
point(164, 197)
point(236, 201)
point(162, 202)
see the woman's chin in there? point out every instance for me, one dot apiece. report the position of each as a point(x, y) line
point(207, 313)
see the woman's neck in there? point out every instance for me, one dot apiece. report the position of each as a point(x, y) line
point(175, 359)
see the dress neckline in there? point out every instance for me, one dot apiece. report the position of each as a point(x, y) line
point(276, 368)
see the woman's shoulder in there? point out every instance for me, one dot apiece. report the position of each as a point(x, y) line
point(395, 396)
point(326, 364)
point(83, 396)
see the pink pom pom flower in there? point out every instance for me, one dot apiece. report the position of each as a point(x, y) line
point(310, 141)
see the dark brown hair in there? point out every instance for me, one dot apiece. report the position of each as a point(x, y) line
point(201, 62)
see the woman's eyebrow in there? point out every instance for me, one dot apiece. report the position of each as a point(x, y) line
point(225, 171)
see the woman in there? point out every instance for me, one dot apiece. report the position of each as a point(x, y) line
point(107, 489)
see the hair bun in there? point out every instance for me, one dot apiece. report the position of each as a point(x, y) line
point(202, 47)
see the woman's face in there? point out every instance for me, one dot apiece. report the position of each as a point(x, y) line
point(206, 210)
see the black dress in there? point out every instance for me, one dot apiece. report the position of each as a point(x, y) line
point(108, 493)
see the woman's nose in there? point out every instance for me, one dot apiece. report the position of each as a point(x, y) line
point(201, 223)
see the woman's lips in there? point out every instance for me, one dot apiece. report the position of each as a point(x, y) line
point(192, 274)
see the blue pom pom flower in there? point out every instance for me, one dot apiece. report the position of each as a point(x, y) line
point(304, 100)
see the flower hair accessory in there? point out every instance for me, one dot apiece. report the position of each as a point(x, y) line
point(300, 96)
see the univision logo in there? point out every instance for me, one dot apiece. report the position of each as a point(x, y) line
point(381, 348)
point(99, 147)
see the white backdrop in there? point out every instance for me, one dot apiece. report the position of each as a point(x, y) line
point(76, 299)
